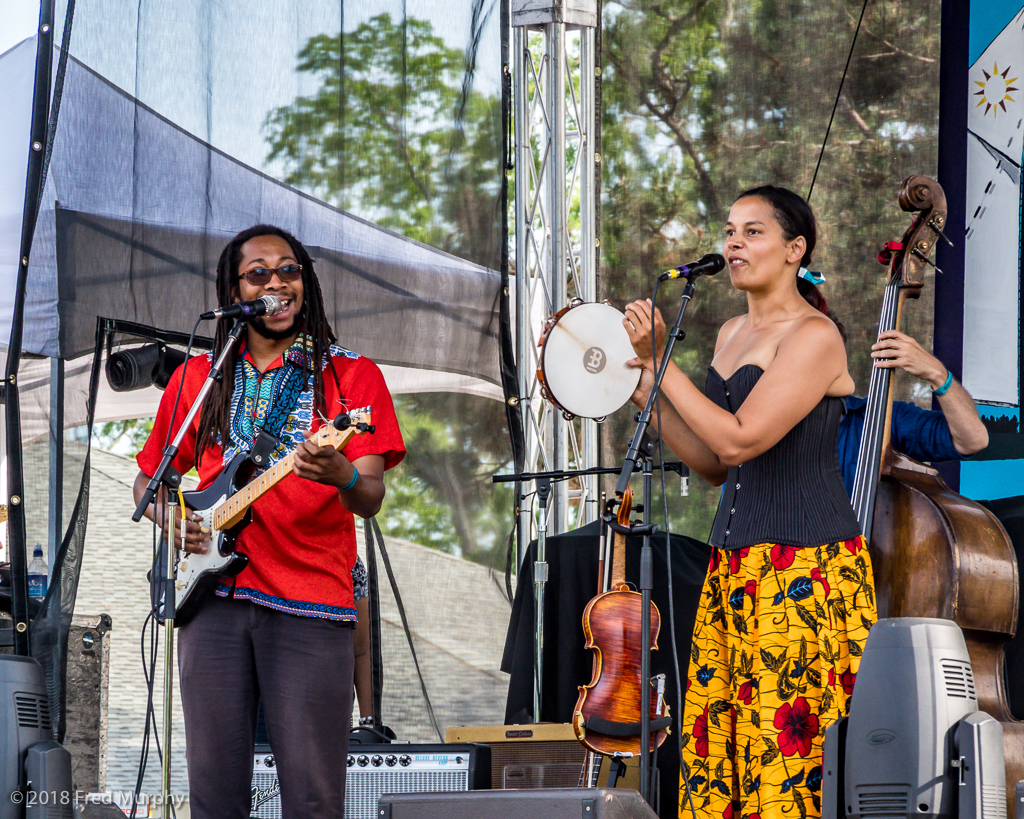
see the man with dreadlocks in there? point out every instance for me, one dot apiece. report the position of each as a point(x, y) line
point(281, 631)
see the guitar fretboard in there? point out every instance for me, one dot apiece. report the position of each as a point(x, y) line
point(231, 511)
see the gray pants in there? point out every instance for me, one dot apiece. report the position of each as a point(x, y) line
point(231, 654)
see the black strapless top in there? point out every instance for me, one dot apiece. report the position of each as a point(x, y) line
point(791, 494)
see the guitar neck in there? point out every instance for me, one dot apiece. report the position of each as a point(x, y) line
point(229, 512)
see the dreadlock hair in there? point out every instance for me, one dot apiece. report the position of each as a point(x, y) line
point(215, 417)
point(796, 218)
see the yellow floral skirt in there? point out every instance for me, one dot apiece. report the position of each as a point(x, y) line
point(779, 635)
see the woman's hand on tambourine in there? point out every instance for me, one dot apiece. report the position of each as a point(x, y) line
point(643, 389)
point(639, 322)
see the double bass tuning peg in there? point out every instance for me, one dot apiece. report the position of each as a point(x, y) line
point(938, 232)
point(926, 260)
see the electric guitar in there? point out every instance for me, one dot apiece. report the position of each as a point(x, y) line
point(225, 506)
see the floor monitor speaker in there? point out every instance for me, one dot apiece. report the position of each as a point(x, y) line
point(560, 803)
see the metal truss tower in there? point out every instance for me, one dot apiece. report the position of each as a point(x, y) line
point(555, 109)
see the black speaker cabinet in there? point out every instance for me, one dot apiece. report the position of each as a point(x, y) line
point(551, 803)
point(543, 755)
point(374, 770)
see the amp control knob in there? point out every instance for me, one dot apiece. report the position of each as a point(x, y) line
point(404, 760)
point(377, 760)
point(391, 760)
point(363, 760)
point(351, 760)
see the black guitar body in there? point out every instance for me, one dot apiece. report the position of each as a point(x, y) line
point(197, 573)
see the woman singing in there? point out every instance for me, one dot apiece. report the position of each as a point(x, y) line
point(788, 598)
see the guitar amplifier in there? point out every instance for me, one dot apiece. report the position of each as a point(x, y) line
point(543, 755)
point(374, 770)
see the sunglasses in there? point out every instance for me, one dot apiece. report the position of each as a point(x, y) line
point(258, 276)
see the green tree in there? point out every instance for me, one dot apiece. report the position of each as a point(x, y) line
point(395, 132)
point(704, 98)
point(392, 133)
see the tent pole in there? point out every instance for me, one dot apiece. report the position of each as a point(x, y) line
point(56, 517)
point(12, 402)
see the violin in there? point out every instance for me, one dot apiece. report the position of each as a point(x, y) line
point(935, 553)
point(607, 714)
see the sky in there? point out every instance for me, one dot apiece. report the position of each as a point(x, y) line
point(19, 21)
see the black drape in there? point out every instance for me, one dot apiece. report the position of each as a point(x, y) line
point(572, 582)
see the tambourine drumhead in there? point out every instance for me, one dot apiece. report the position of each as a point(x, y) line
point(583, 361)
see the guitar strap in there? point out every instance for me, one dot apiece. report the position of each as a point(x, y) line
point(263, 402)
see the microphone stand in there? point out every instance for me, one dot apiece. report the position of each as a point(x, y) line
point(163, 587)
point(646, 554)
point(540, 565)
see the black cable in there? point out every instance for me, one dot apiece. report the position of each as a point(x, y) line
point(835, 104)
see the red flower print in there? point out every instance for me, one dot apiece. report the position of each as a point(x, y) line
point(816, 575)
point(750, 589)
point(700, 734)
point(797, 727)
point(727, 813)
point(716, 558)
point(782, 557)
point(847, 680)
point(690, 682)
point(736, 559)
point(746, 692)
point(831, 679)
point(854, 545)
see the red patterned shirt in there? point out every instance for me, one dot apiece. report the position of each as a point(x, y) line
point(301, 542)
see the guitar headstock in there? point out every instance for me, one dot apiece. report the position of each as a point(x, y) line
point(338, 431)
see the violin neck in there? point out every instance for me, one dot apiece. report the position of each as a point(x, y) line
point(618, 562)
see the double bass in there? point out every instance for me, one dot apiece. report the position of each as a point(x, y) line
point(935, 553)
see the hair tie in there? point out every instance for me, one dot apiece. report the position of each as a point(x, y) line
point(813, 276)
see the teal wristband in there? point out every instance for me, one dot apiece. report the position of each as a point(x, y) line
point(355, 477)
point(945, 384)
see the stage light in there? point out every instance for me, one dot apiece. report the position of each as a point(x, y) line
point(915, 744)
point(140, 367)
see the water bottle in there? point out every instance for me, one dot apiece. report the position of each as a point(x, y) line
point(37, 574)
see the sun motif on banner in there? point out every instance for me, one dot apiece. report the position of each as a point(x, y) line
point(995, 91)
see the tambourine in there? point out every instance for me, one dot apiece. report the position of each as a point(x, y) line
point(584, 350)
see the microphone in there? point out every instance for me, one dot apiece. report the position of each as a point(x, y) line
point(707, 265)
point(264, 306)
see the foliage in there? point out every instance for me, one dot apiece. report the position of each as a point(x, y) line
point(441, 495)
point(393, 133)
point(702, 99)
point(123, 437)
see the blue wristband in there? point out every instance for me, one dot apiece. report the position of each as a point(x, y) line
point(945, 384)
point(355, 477)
